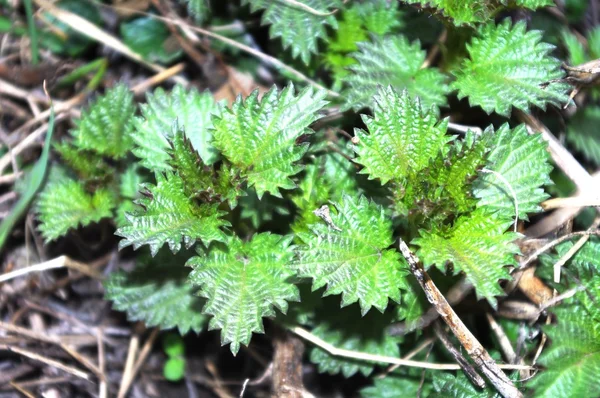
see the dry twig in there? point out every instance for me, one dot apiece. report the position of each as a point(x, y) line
point(482, 359)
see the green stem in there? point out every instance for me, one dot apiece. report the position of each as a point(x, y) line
point(98, 65)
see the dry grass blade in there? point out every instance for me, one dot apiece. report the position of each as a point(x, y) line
point(59, 262)
point(51, 362)
point(90, 30)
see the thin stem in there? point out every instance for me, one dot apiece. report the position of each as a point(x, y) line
point(33, 37)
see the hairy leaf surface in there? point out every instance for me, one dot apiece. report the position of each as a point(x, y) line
point(297, 27)
point(158, 293)
point(244, 282)
point(573, 358)
point(188, 109)
point(106, 126)
point(392, 61)
point(64, 204)
point(507, 67)
point(402, 137)
point(351, 255)
point(524, 163)
point(259, 136)
point(169, 216)
point(583, 133)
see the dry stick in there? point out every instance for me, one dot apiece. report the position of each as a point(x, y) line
point(22, 390)
point(103, 388)
point(59, 365)
point(135, 368)
point(411, 354)
point(340, 352)
point(129, 363)
point(267, 58)
point(478, 354)
point(461, 128)
point(578, 245)
point(572, 201)
point(470, 372)
point(310, 10)
point(59, 262)
point(572, 169)
point(556, 299)
point(52, 340)
point(503, 340)
point(158, 78)
point(90, 30)
point(555, 242)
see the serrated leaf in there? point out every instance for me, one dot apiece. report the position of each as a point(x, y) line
point(244, 282)
point(584, 134)
point(394, 385)
point(448, 385)
point(259, 136)
point(573, 359)
point(347, 331)
point(507, 68)
point(169, 216)
point(351, 255)
point(392, 61)
point(199, 180)
point(187, 109)
point(297, 27)
point(478, 245)
point(402, 138)
point(65, 204)
point(524, 163)
point(158, 293)
point(88, 164)
point(476, 11)
point(106, 126)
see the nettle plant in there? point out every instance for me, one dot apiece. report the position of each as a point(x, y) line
point(263, 209)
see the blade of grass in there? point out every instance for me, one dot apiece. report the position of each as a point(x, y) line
point(35, 180)
point(35, 52)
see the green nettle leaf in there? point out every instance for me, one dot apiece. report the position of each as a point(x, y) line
point(448, 385)
point(259, 136)
point(402, 137)
point(508, 67)
point(476, 245)
point(158, 293)
point(346, 331)
point(187, 109)
point(106, 127)
point(350, 255)
point(243, 282)
point(86, 163)
point(443, 189)
point(476, 11)
point(169, 216)
point(64, 204)
point(573, 359)
point(393, 386)
point(298, 28)
point(392, 61)
point(201, 181)
point(583, 133)
point(524, 163)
